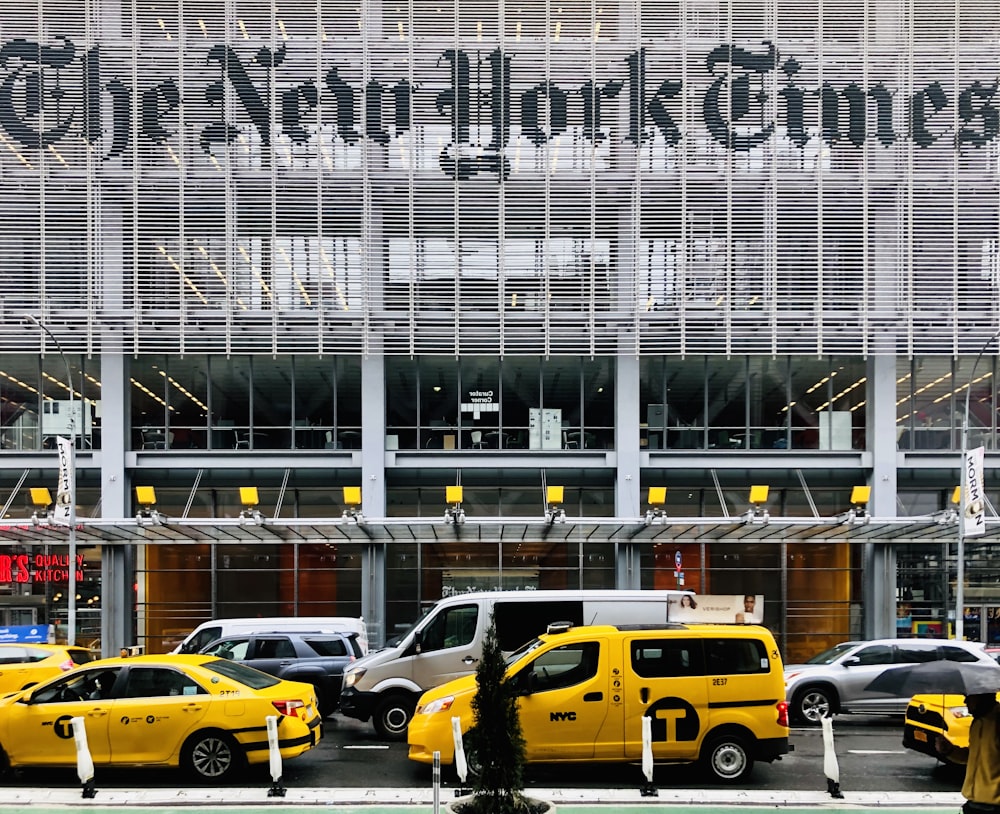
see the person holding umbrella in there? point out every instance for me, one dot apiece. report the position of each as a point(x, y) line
point(979, 683)
point(982, 757)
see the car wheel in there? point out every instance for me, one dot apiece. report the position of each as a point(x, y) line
point(812, 704)
point(212, 756)
point(392, 716)
point(727, 758)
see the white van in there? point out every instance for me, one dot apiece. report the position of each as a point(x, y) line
point(208, 632)
point(447, 642)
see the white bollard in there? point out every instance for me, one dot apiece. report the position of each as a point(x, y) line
point(647, 789)
point(274, 757)
point(830, 765)
point(84, 760)
point(436, 778)
point(647, 747)
point(460, 765)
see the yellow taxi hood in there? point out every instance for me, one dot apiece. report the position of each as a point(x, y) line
point(457, 686)
point(938, 699)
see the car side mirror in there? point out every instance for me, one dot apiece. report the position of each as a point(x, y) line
point(853, 661)
point(527, 683)
point(418, 642)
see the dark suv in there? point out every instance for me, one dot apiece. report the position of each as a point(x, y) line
point(314, 658)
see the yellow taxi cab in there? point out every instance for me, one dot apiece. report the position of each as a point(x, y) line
point(714, 693)
point(932, 714)
point(204, 714)
point(22, 665)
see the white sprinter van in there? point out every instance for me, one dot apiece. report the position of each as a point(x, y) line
point(208, 632)
point(447, 642)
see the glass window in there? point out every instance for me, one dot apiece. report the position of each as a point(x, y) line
point(228, 649)
point(598, 403)
point(952, 653)
point(439, 403)
point(480, 404)
point(74, 687)
point(271, 405)
point(667, 658)
point(241, 673)
point(915, 655)
point(561, 393)
point(453, 627)
point(187, 399)
point(229, 399)
point(736, 656)
point(876, 654)
point(521, 391)
point(329, 647)
point(276, 648)
point(561, 667)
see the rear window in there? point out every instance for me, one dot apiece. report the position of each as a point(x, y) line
point(952, 653)
point(80, 656)
point(329, 647)
point(247, 676)
point(736, 657)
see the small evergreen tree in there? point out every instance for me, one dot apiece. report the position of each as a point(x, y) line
point(495, 740)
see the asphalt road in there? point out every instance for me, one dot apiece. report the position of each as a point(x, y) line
point(869, 752)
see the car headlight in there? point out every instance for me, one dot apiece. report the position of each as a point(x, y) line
point(438, 705)
point(352, 677)
point(959, 712)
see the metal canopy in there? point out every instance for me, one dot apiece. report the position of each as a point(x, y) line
point(491, 530)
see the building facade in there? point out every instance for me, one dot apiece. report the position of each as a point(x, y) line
point(613, 247)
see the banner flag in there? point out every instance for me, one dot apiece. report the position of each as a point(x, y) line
point(973, 499)
point(64, 490)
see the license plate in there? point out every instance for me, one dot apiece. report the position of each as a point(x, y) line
point(919, 736)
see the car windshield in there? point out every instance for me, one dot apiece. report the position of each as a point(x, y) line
point(241, 673)
point(524, 649)
point(831, 655)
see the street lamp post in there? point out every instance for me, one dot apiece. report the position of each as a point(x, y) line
point(963, 499)
point(71, 468)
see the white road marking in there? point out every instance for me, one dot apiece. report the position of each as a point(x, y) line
point(876, 751)
point(364, 746)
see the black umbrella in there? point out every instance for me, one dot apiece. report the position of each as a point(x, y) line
point(951, 677)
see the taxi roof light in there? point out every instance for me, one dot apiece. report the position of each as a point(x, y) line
point(559, 627)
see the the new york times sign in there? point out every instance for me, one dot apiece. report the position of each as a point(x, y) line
point(55, 90)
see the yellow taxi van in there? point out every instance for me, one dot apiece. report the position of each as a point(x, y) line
point(715, 695)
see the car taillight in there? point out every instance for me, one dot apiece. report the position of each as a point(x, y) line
point(782, 713)
point(67, 665)
point(289, 708)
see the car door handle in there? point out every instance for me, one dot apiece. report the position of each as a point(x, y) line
point(469, 660)
point(97, 712)
point(191, 708)
point(593, 696)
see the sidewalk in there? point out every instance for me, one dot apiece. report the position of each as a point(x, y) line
point(418, 800)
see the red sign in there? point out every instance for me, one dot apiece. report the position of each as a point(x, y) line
point(38, 567)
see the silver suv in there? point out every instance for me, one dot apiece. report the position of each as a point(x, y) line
point(834, 681)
